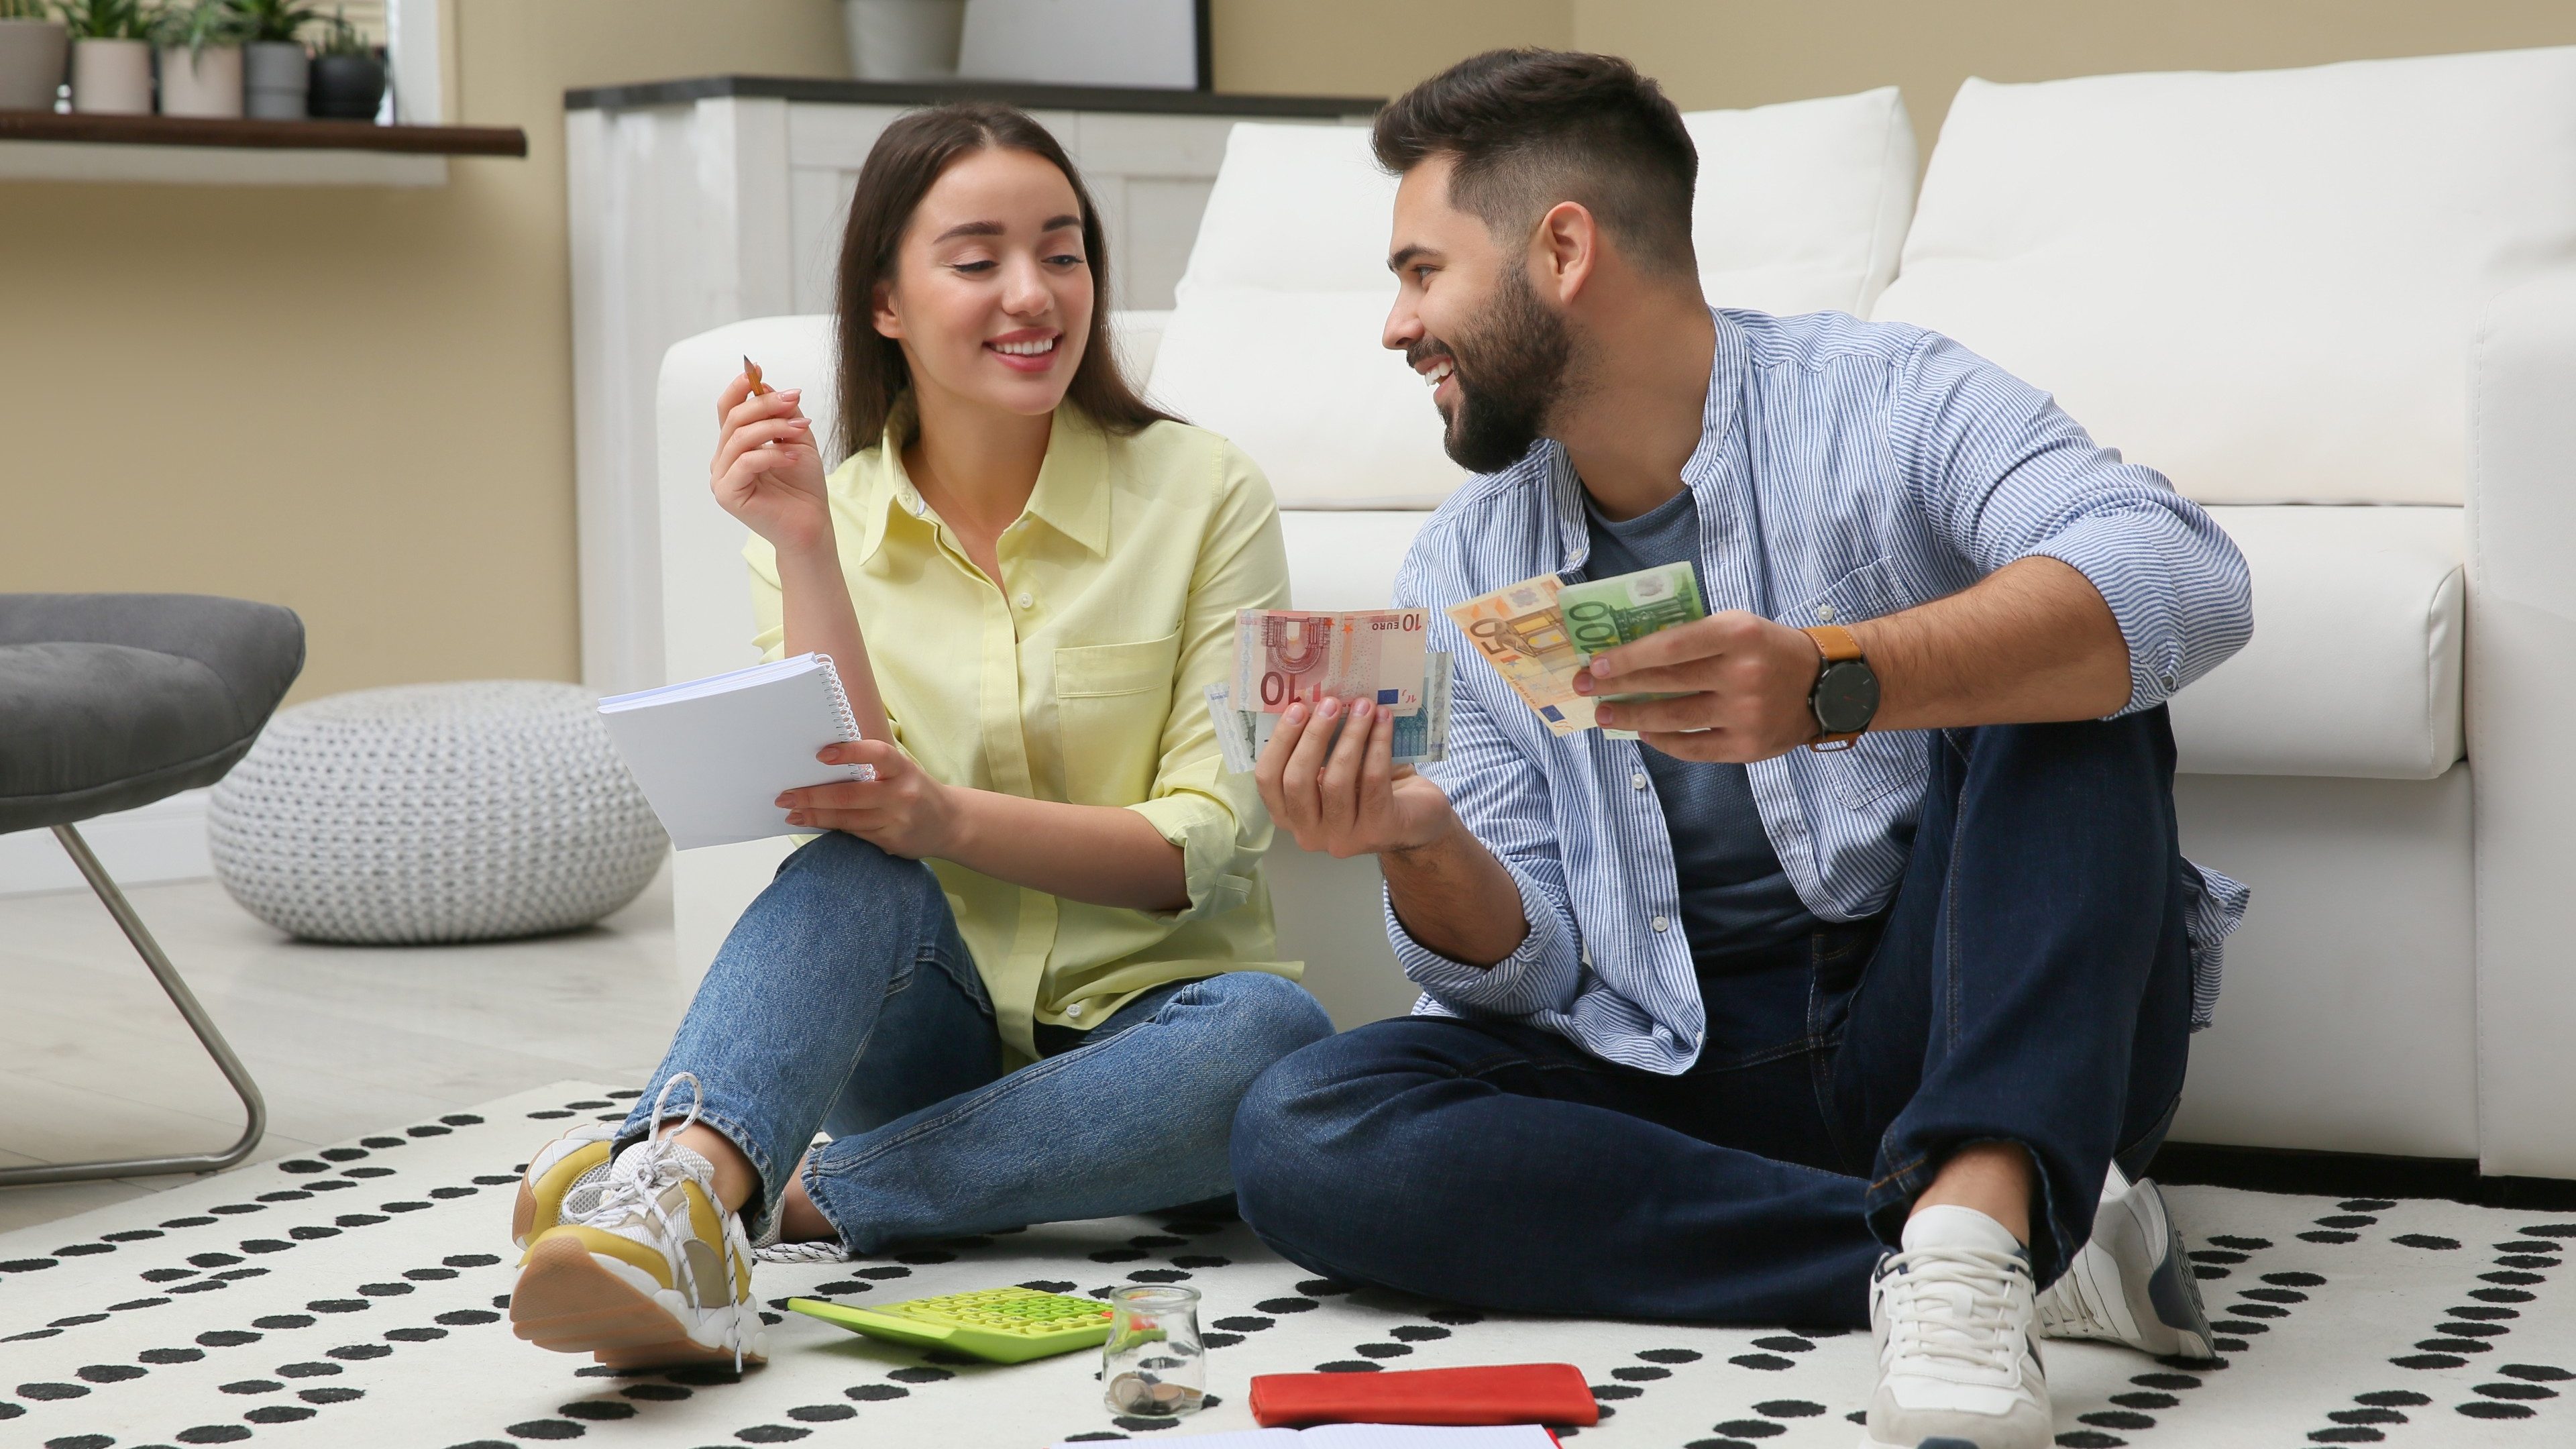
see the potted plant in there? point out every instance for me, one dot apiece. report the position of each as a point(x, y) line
point(201, 58)
point(348, 79)
point(32, 47)
point(277, 74)
point(111, 56)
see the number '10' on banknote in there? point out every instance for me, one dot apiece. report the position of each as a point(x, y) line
point(1284, 656)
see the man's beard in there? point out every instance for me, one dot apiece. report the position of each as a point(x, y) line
point(1510, 371)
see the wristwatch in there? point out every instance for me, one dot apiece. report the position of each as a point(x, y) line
point(1845, 696)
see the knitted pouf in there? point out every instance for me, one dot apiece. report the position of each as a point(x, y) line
point(434, 812)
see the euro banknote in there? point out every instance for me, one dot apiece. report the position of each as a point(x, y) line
point(1282, 656)
point(1602, 614)
point(1540, 632)
point(1520, 631)
point(1421, 737)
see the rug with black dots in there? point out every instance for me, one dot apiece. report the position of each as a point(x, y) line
point(356, 1297)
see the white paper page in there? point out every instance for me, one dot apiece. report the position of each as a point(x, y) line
point(1240, 1440)
point(712, 759)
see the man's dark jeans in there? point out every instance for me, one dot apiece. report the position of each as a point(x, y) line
point(2030, 983)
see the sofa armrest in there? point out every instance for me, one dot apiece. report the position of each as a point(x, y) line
point(2521, 703)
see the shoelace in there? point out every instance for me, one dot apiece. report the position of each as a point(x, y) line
point(636, 1183)
point(1954, 1304)
point(817, 1252)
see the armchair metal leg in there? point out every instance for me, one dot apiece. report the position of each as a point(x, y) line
point(180, 997)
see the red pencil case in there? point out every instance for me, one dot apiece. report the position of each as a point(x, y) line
point(1519, 1393)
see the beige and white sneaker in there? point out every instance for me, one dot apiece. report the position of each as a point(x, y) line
point(651, 1271)
point(572, 1169)
point(1958, 1362)
point(2132, 1283)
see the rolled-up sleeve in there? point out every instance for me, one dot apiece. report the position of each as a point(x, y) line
point(1216, 819)
point(2005, 475)
point(1501, 795)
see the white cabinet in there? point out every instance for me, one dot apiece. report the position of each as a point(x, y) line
point(697, 203)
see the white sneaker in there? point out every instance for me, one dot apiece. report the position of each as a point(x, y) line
point(653, 1272)
point(2132, 1283)
point(563, 1179)
point(1958, 1366)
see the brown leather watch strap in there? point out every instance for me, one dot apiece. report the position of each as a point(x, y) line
point(1837, 644)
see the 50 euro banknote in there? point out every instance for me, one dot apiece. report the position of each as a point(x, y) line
point(1539, 633)
point(1421, 737)
point(1282, 656)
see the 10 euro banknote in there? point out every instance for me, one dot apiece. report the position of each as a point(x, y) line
point(1282, 656)
point(1421, 737)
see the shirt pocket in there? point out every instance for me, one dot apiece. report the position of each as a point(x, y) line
point(1111, 701)
point(1876, 764)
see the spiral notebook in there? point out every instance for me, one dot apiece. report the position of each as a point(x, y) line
point(712, 754)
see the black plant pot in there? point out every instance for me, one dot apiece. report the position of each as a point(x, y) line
point(347, 87)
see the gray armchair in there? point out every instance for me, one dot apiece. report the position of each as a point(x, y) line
point(110, 701)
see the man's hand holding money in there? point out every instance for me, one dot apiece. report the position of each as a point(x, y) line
point(1741, 683)
point(1345, 796)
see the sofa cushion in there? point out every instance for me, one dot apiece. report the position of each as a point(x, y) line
point(2354, 669)
point(1273, 339)
point(1346, 560)
point(2262, 284)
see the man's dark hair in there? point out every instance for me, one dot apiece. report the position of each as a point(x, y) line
point(1531, 128)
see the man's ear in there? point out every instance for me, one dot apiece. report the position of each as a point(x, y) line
point(881, 313)
point(1564, 252)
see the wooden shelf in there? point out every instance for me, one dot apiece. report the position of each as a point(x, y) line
point(265, 135)
point(46, 146)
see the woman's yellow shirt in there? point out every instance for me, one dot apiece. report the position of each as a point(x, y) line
point(1080, 678)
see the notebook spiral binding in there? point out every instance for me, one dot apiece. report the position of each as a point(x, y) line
point(848, 721)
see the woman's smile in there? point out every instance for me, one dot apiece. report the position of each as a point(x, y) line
point(1030, 349)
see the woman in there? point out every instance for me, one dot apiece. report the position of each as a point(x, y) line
point(1022, 974)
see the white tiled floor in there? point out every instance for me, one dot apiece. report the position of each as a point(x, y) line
point(341, 1039)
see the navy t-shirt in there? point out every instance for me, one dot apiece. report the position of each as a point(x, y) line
point(1735, 898)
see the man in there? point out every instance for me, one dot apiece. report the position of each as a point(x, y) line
point(1843, 990)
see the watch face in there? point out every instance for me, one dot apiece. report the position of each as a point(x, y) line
point(1846, 696)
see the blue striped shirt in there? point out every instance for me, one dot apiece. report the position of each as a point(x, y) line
point(1845, 469)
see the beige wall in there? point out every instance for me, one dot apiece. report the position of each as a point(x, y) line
point(354, 401)
point(1750, 52)
point(1367, 47)
point(357, 401)
point(1711, 53)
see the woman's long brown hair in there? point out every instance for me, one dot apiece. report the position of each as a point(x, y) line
point(906, 160)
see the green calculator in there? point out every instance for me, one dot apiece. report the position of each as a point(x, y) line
point(1004, 1325)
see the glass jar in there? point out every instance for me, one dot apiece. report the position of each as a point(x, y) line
point(1153, 1365)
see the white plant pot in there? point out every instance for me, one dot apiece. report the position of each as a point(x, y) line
point(903, 39)
point(31, 63)
point(112, 77)
point(276, 77)
point(203, 83)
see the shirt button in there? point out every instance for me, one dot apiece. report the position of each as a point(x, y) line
point(1638, 779)
point(1824, 613)
point(1025, 600)
point(1074, 1012)
point(1661, 924)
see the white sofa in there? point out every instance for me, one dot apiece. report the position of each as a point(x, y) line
point(2336, 305)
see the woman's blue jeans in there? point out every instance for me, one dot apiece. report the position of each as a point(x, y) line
point(845, 1000)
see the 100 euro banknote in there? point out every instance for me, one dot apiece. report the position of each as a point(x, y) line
point(1602, 614)
point(1282, 656)
point(1421, 737)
